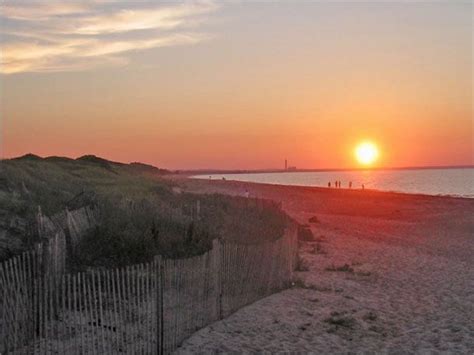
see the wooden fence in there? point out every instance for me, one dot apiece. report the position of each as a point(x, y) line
point(60, 234)
point(141, 309)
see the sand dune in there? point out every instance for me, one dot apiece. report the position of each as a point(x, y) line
point(387, 273)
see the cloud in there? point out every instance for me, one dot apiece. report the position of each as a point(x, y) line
point(35, 11)
point(130, 20)
point(45, 37)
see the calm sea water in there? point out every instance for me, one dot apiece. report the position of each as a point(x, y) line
point(454, 182)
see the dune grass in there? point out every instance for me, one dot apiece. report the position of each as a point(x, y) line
point(140, 215)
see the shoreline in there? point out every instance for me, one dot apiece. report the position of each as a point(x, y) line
point(264, 171)
point(181, 178)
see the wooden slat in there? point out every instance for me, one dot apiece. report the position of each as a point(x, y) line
point(137, 286)
point(127, 307)
point(110, 311)
point(122, 296)
point(88, 317)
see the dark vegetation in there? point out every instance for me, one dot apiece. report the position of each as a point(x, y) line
point(340, 319)
point(304, 233)
point(318, 249)
point(140, 215)
point(301, 264)
point(342, 268)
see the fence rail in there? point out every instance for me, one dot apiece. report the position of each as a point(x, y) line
point(141, 309)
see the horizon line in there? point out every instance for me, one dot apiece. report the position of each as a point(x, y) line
point(276, 170)
point(261, 170)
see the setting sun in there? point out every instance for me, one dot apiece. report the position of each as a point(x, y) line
point(366, 153)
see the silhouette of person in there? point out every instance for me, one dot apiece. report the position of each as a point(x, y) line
point(350, 184)
point(335, 183)
point(363, 186)
point(329, 184)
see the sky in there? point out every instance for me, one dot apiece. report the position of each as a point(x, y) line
point(238, 85)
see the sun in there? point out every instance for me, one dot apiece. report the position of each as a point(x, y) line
point(366, 153)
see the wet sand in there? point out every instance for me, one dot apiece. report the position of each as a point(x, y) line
point(386, 273)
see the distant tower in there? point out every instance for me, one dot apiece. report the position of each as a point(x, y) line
point(286, 164)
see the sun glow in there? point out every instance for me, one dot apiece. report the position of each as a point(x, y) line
point(366, 153)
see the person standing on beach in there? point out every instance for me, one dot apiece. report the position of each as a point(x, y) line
point(329, 184)
point(350, 184)
point(363, 186)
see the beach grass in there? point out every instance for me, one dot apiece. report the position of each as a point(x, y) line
point(140, 213)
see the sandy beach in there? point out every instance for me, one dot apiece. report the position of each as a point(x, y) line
point(386, 273)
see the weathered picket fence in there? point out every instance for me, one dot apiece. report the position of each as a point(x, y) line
point(61, 232)
point(141, 309)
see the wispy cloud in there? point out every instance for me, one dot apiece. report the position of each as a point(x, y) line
point(48, 37)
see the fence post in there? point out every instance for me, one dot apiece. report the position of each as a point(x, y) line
point(40, 222)
point(216, 271)
point(159, 275)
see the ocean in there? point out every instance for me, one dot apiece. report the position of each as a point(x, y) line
point(440, 181)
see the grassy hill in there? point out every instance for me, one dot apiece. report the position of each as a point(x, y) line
point(55, 182)
point(140, 215)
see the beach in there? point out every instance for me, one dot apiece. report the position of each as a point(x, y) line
point(385, 273)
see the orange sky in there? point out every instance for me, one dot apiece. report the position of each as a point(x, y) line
point(239, 86)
